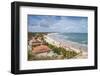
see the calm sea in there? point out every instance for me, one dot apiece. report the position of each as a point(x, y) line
point(81, 38)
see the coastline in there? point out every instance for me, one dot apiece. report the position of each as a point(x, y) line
point(79, 48)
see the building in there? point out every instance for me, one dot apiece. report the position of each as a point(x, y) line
point(34, 42)
point(40, 49)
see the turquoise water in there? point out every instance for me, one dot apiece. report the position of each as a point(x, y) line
point(81, 38)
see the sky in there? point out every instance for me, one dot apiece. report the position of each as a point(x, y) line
point(67, 24)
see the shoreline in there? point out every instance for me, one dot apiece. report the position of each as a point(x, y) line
point(79, 48)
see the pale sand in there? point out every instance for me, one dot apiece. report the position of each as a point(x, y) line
point(79, 48)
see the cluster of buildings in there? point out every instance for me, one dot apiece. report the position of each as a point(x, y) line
point(37, 45)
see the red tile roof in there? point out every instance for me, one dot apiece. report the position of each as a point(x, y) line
point(40, 49)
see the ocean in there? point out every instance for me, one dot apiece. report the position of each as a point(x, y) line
point(81, 38)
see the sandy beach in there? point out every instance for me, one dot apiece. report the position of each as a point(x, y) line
point(79, 48)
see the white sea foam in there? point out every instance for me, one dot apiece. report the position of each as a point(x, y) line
point(66, 42)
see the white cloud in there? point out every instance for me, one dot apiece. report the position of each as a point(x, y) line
point(64, 24)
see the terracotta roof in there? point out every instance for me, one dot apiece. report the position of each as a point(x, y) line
point(41, 49)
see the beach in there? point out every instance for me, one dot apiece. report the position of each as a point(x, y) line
point(55, 46)
point(67, 44)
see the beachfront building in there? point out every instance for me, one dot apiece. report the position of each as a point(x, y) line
point(40, 49)
point(35, 42)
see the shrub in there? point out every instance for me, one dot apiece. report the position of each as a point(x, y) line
point(30, 55)
point(62, 51)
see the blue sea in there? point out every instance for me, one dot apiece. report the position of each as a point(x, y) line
point(81, 38)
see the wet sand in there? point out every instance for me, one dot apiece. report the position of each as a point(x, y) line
point(79, 48)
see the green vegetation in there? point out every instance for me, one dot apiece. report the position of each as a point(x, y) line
point(30, 55)
point(61, 51)
point(38, 34)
